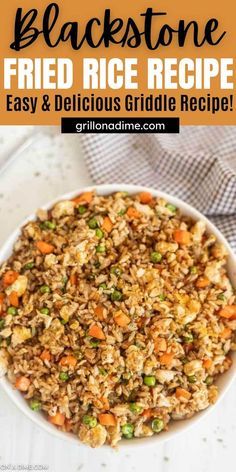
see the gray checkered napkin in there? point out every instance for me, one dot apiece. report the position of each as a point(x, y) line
point(198, 165)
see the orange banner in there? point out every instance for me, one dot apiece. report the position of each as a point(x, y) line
point(127, 59)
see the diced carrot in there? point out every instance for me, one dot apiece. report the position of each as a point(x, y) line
point(2, 296)
point(99, 312)
point(121, 319)
point(133, 213)
point(58, 419)
point(207, 363)
point(226, 333)
point(147, 413)
point(182, 237)
point(73, 279)
point(44, 248)
point(96, 332)
point(166, 358)
point(45, 356)
point(202, 282)
point(85, 197)
point(228, 312)
point(70, 361)
point(182, 393)
point(10, 277)
point(107, 224)
point(107, 419)
point(105, 403)
point(22, 383)
point(160, 344)
point(145, 197)
point(14, 299)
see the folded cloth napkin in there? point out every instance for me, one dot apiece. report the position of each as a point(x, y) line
point(198, 165)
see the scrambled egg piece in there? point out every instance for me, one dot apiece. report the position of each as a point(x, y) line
point(19, 286)
point(20, 335)
point(163, 247)
point(50, 260)
point(135, 359)
point(94, 437)
point(198, 231)
point(213, 272)
point(192, 367)
point(64, 208)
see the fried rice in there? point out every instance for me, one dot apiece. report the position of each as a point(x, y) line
point(116, 316)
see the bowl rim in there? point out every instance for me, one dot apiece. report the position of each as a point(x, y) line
point(183, 425)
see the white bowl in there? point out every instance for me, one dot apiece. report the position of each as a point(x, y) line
point(224, 381)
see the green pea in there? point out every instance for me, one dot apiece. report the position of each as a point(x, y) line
point(222, 297)
point(171, 207)
point(188, 338)
point(209, 380)
point(28, 266)
point(45, 311)
point(99, 233)
point(89, 421)
point(94, 342)
point(45, 289)
point(127, 430)
point(82, 209)
point(122, 212)
point(193, 270)
point(102, 371)
point(12, 311)
point(103, 286)
point(35, 405)
point(149, 380)
point(116, 271)
point(93, 224)
point(2, 324)
point(63, 322)
point(162, 297)
point(157, 425)
point(116, 296)
point(192, 379)
point(135, 408)
point(155, 257)
point(49, 225)
point(100, 249)
point(63, 376)
point(78, 354)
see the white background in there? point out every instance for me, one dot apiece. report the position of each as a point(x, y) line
point(51, 166)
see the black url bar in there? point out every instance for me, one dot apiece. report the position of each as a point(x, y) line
point(120, 125)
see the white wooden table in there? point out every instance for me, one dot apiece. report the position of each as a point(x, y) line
point(53, 166)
